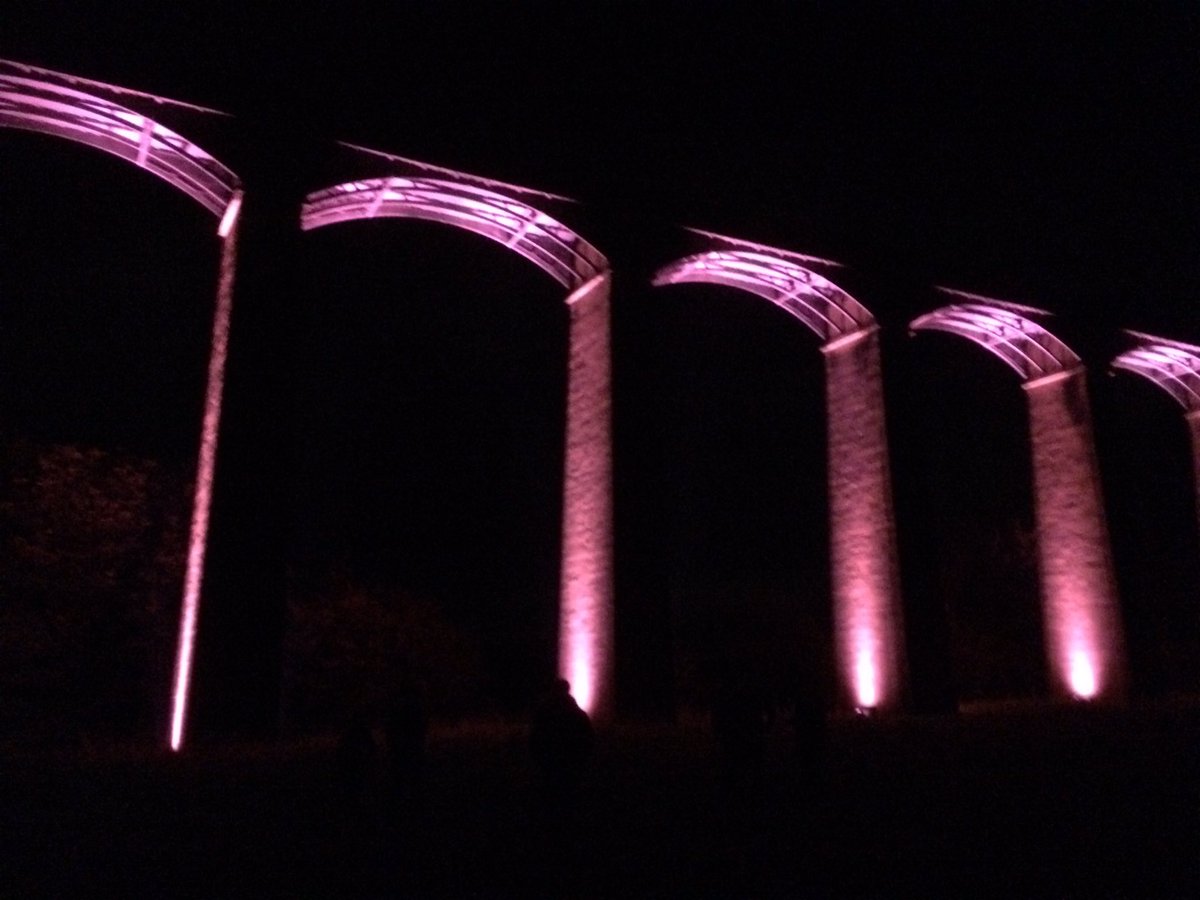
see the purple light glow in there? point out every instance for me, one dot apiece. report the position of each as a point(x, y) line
point(868, 625)
point(1083, 675)
point(866, 677)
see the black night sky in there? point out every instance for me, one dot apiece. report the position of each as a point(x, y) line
point(396, 387)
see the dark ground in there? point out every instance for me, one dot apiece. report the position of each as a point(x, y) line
point(1016, 803)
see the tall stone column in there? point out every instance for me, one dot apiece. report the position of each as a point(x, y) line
point(205, 467)
point(1085, 645)
point(868, 621)
point(585, 637)
point(1193, 420)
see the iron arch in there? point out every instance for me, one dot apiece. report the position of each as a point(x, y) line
point(547, 243)
point(820, 304)
point(1173, 366)
point(83, 111)
point(504, 213)
point(1006, 330)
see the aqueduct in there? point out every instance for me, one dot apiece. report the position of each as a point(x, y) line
point(1174, 367)
point(1080, 615)
point(96, 114)
point(1084, 640)
point(867, 610)
point(504, 213)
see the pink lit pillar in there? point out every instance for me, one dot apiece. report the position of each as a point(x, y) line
point(205, 467)
point(868, 627)
point(585, 635)
point(1193, 420)
point(1085, 646)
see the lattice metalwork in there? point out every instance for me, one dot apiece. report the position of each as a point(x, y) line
point(87, 112)
point(544, 241)
point(1173, 366)
point(814, 300)
point(1004, 329)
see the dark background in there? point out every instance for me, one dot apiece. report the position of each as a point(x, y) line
point(396, 388)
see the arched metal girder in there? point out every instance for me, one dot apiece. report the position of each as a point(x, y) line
point(1006, 330)
point(813, 299)
point(1173, 366)
point(474, 204)
point(84, 111)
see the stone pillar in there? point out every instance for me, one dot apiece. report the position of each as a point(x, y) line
point(202, 499)
point(1193, 420)
point(1085, 646)
point(585, 637)
point(867, 615)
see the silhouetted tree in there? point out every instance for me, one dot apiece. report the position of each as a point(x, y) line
point(92, 550)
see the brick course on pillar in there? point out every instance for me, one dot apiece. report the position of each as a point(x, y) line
point(1085, 646)
point(586, 605)
point(864, 571)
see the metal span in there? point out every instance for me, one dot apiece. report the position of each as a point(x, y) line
point(1004, 329)
point(489, 208)
point(1173, 366)
point(1084, 640)
point(88, 112)
point(868, 620)
point(817, 302)
point(504, 213)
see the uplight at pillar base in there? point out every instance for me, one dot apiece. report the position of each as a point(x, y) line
point(1082, 676)
point(866, 681)
point(581, 669)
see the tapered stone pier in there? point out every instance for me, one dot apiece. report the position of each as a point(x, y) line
point(502, 212)
point(1081, 617)
point(864, 571)
point(1081, 620)
point(585, 630)
point(867, 615)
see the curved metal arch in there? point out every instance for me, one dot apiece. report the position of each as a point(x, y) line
point(1173, 366)
point(547, 243)
point(73, 108)
point(1005, 330)
point(817, 302)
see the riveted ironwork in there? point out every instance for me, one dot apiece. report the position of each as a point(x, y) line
point(1004, 329)
point(96, 114)
point(1173, 366)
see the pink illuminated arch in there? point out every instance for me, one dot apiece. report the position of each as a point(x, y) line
point(1004, 329)
point(1081, 619)
point(777, 276)
point(864, 569)
point(1173, 366)
point(485, 207)
point(88, 112)
point(505, 213)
